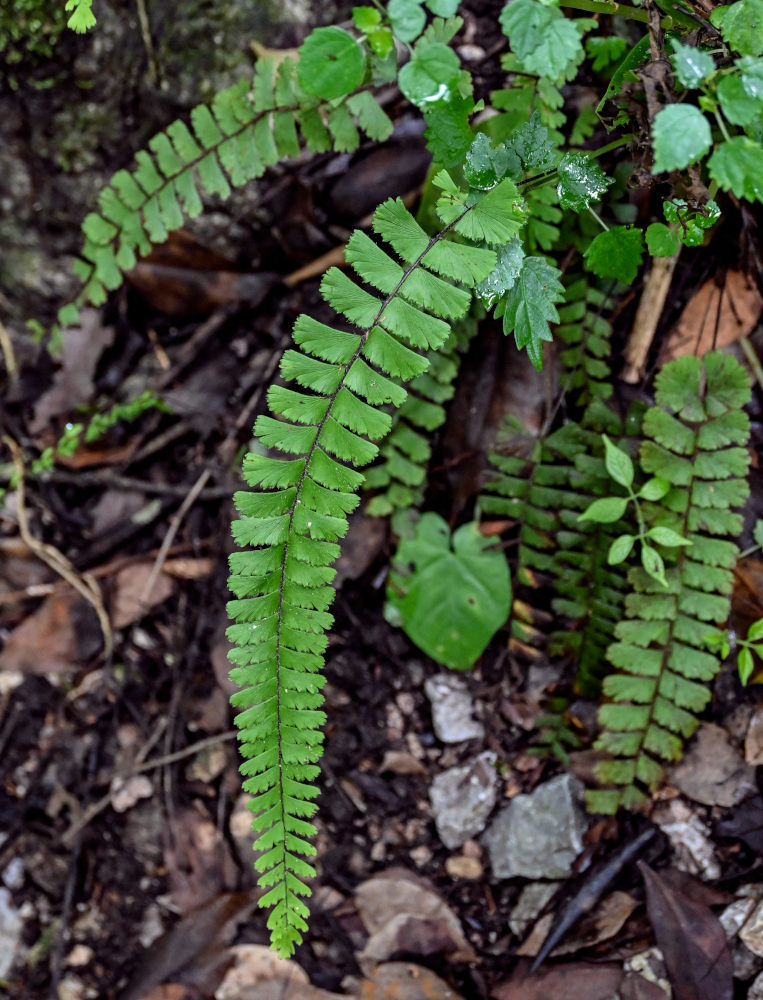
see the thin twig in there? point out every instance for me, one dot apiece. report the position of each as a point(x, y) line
point(9, 356)
point(752, 359)
point(85, 585)
point(648, 315)
point(88, 815)
point(169, 538)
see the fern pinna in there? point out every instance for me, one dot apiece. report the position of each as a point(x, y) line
point(696, 436)
point(302, 498)
point(246, 129)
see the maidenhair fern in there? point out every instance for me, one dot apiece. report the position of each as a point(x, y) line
point(302, 499)
point(246, 129)
point(696, 436)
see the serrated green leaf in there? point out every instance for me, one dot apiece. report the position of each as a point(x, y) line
point(603, 50)
point(486, 164)
point(448, 132)
point(616, 253)
point(661, 241)
point(541, 36)
point(741, 25)
point(531, 306)
point(331, 63)
point(366, 18)
point(736, 104)
point(691, 65)
point(430, 76)
point(680, 136)
point(751, 71)
point(737, 166)
point(532, 145)
point(581, 181)
point(508, 266)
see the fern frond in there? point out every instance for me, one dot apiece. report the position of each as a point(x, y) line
point(246, 129)
point(302, 498)
point(398, 476)
point(696, 439)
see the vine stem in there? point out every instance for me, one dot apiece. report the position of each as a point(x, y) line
point(625, 10)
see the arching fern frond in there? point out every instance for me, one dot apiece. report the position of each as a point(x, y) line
point(399, 475)
point(246, 129)
point(696, 441)
point(325, 429)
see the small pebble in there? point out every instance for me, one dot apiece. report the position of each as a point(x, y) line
point(460, 866)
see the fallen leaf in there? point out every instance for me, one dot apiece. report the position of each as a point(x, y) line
point(745, 823)
point(602, 924)
point(188, 569)
point(60, 634)
point(129, 605)
point(171, 991)
point(199, 864)
point(567, 981)
point(635, 987)
point(689, 837)
point(81, 349)
point(403, 914)
point(85, 457)
point(401, 762)
point(714, 317)
point(405, 981)
point(280, 989)
point(199, 933)
point(253, 963)
point(712, 771)
point(691, 940)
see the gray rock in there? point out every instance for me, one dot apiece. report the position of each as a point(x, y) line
point(539, 835)
point(452, 709)
point(463, 798)
point(10, 932)
point(532, 900)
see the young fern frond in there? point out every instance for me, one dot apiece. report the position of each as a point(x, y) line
point(246, 129)
point(696, 436)
point(301, 500)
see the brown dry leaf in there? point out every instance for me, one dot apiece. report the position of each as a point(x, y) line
point(636, 987)
point(401, 762)
point(603, 923)
point(172, 991)
point(130, 582)
point(715, 317)
point(87, 457)
point(403, 914)
point(280, 989)
point(692, 941)
point(197, 939)
point(568, 981)
point(745, 823)
point(255, 963)
point(199, 864)
point(188, 569)
point(712, 771)
point(81, 350)
point(61, 633)
point(405, 981)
